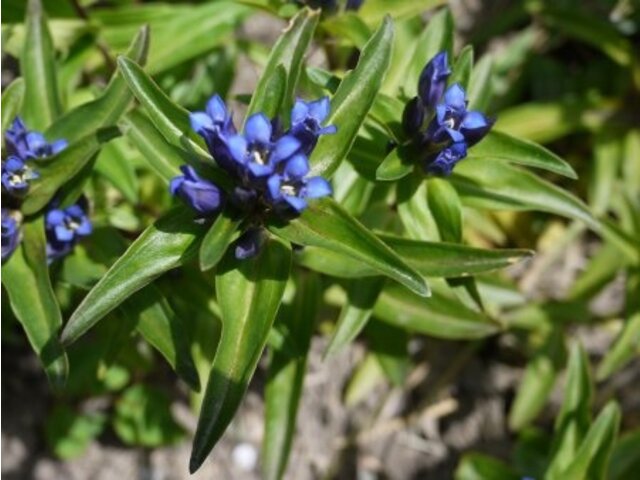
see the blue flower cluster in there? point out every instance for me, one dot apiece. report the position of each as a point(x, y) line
point(451, 128)
point(269, 167)
point(63, 227)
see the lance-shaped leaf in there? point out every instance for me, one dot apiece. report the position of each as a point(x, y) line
point(37, 63)
point(362, 295)
point(440, 316)
point(249, 294)
point(625, 458)
point(108, 107)
point(462, 68)
point(431, 259)
point(352, 101)
point(269, 99)
point(158, 324)
point(325, 224)
point(373, 11)
point(168, 243)
point(501, 146)
point(286, 376)
point(26, 279)
point(480, 88)
point(446, 209)
point(215, 242)
point(394, 166)
point(288, 53)
point(58, 170)
point(12, 102)
point(476, 466)
point(625, 348)
point(413, 208)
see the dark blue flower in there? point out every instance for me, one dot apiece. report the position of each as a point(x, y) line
point(28, 144)
point(216, 126)
point(306, 122)
point(249, 243)
point(354, 4)
point(16, 176)
point(64, 228)
point(10, 234)
point(433, 80)
point(289, 190)
point(256, 152)
point(413, 116)
point(443, 162)
point(200, 194)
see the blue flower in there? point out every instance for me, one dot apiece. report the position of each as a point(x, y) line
point(289, 190)
point(443, 162)
point(16, 176)
point(27, 144)
point(10, 234)
point(64, 228)
point(249, 243)
point(200, 194)
point(433, 80)
point(216, 126)
point(306, 122)
point(256, 151)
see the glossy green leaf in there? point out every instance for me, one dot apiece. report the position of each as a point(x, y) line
point(592, 458)
point(217, 239)
point(352, 101)
point(431, 259)
point(440, 316)
point(446, 209)
point(56, 171)
point(480, 89)
point(608, 153)
point(286, 376)
point(37, 64)
point(501, 146)
point(413, 208)
point(485, 183)
point(538, 380)
point(288, 53)
point(361, 297)
point(393, 167)
point(107, 109)
point(325, 224)
point(348, 26)
point(12, 98)
point(114, 163)
point(249, 292)
point(574, 419)
point(161, 327)
point(387, 111)
point(25, 277)
point(373, 11)
point(168, 243)
point(462, 68)
point(475, 466)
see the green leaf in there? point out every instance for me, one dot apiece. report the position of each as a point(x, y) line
point(37, 64)
point(12, 98)
point(58, 170)
point(115, 164)
point(348, 26)
point(431, 259)
point(107, 109)
point(325, 224)
point(625, 348)
point(389, 345)
point(143, 418)
point(249, 293)
point(538, 380)
point(162, 328)
point(366, 377)
point(484, 183)
point(625, 458)
point(413, 208)
point(269, 99)
point(169, 243)
point(592, 458)
point(446, 208)
point(69, 433)
point(574, 419)
point(440, 316)
point(393, 167)
point(462, 68)
point(601, 268)
point(164, 158)
point(501, 146)
point(25, 276)
point(286, 376)
point(475, 466)
point(288, 53)
point(480, 89)
point(217, 239)
point(352, 101)
point(373, 11)
point(361, 297)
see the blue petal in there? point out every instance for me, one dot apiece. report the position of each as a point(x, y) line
point(85, 228)
point(284, 148)
point(273, 185)
point(455, 97)
point(13, 164)
point(473, 120)
point(258, 129)
point(190, 173)
point(54, 217)
point(75, 211)
point(298, 204)
point(319, 109)
point(260, 170)
point(297, 166)
point(36, 141)
point(63, 234)
point(317, 187)
point(238, 148)
point(200, 122)
point(299, 112)
point(58, 146)
point(175, 184)
point(455, 135)
point(216, 109)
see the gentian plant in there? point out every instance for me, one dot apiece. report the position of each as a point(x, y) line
point(174, 228)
